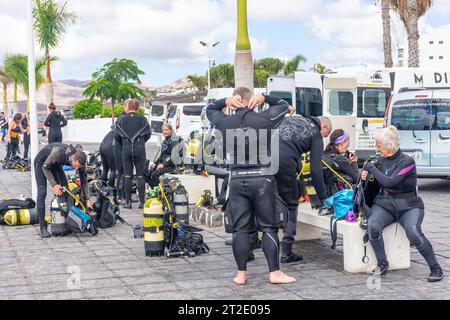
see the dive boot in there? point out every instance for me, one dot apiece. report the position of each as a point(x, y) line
point(436, 274)
point(141, 205)
point(128, 205)
point(251, 256)
point(381, 269)
point(291, 257)
point(43, 232)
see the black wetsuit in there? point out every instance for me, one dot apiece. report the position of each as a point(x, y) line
point(298, 135)
point(398, 201)
point(165, 159)
point(117, 151)
point(342, 165)
point(55, 121)
point(48, 166)
point(26, 138)
point(252, 187)
point(133, 131)
point(108, 160)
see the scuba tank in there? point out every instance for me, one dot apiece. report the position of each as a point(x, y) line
point(310, 190)
point(59, 209)
point(181, 204)
point(20, 217)
point(154, 241)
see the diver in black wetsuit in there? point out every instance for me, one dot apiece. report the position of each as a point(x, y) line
point(117, 151)
point(26, 135)
point(55, 121)
point(48, 166)
point(252, 187)
point(397, 201)
point(133, 131)
point(108, 160)
point(299, 135)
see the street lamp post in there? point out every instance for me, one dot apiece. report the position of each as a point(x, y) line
point(209, 47)
point(34, 140)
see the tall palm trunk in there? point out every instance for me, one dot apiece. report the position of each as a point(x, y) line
point(5, 98)
point(244, 65)
point(49, 90)
point(412, 29)
point(15, 103)
point(387, 42)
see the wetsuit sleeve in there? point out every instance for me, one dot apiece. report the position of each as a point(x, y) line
point(117, 132)
point(84, 183)
point(63, 121)
point(47, 122)
point(147, 134)
point(402, 172)
point(316, 167)
point(214, 111)
point(277, 111)
point(348, 168)
point(52, 160)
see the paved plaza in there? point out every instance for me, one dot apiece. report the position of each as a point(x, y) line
point(112, 265)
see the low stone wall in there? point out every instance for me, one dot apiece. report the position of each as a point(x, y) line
point(211, 218)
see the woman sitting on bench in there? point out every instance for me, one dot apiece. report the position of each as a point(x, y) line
point(397, 201)
point(341, 161)
point(164, 164)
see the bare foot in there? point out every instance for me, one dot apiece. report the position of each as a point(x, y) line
point(279, 277)
point(241, 278)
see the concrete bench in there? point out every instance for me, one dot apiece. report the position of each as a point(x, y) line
point(398, 249)
point(195, 185)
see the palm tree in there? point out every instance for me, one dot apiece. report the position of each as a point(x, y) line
point(292, 65)
point(199, 82)
point(410, 11)
point(12, 65)
point(243, 67)
point(320, 68)
point(387, 41)
point(5, 80)
point(50, 22)
point(17, 66)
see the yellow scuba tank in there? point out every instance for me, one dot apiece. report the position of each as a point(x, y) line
point(307, 179)
point(21, 217)
point(154, 241)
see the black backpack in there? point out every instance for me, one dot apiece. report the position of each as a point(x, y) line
point(107, 211)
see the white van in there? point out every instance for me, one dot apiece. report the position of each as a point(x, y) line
point(157, 117)
point(185, 118)
point(423, 120)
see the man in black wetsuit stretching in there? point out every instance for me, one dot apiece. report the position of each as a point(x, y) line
point(252, 187)
point(55, 121)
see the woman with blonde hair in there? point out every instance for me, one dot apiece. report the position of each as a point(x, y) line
point(398, 201)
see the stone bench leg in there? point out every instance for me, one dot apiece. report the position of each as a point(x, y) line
point(397, 250)
point(307, 232)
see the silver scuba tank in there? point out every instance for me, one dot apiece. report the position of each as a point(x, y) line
point(59, 207)
point(181, 204)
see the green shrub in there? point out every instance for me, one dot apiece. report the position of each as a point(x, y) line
point(106, 112)
point(87, 109)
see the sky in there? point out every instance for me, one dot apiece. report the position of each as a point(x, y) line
point(163, 35)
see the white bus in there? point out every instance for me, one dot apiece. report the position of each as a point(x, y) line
point(354, 99)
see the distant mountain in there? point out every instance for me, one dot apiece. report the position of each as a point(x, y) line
point(180, 84)
point(74, 83)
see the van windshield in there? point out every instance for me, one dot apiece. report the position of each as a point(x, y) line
point(412, 115)
point(341, 103)
point(157, 111)
point(372, 102)
point(193, 110)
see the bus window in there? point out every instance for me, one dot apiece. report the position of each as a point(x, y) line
point(341, 103)
point(309, 102)
point(285, 95)
point(372, 103)
point(172, 111)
